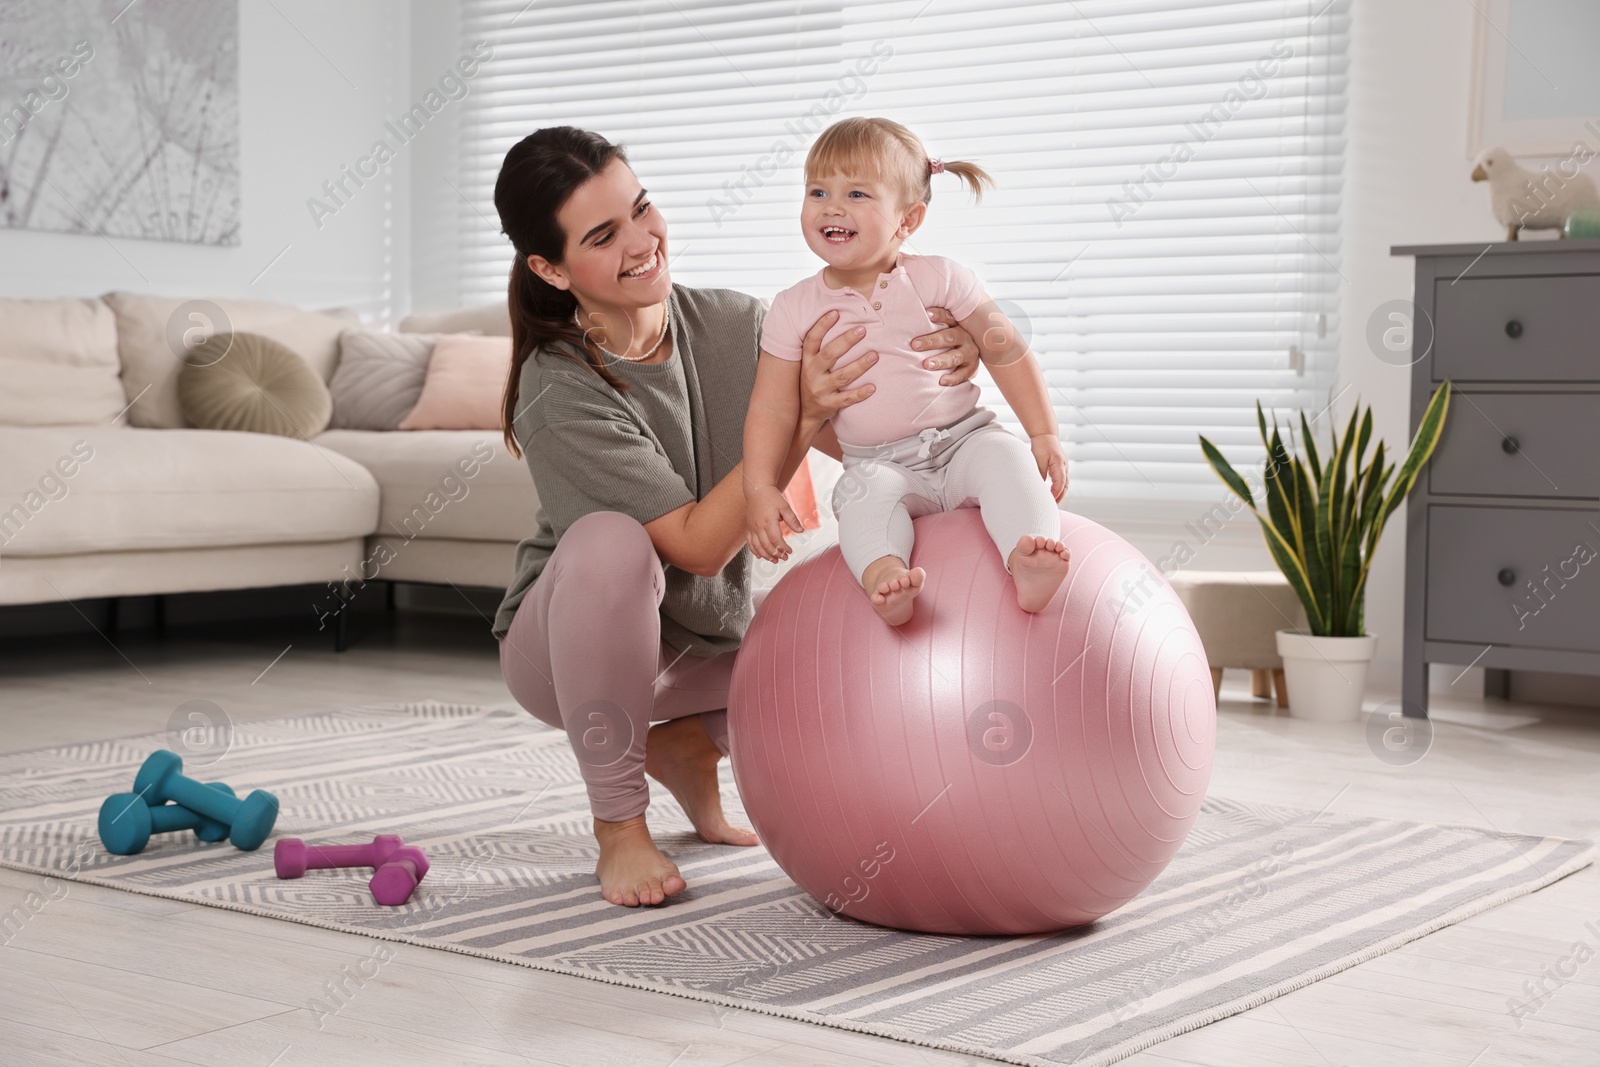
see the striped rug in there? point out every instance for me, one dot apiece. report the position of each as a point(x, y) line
point(1259, 901)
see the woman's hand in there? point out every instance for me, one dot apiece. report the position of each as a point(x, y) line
point(766, 513)
point(1052, 461)
point(825, 391)
point(961, 360)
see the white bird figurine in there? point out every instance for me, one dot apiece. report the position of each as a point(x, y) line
point(1527, 199)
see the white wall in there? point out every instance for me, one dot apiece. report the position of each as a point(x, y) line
point(1406, 183)
point(316, 84)
point(436, 205)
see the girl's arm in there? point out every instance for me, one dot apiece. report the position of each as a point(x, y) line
point(771, 419)
point(1013, 368)
point(1021, 381)
point(769, 426)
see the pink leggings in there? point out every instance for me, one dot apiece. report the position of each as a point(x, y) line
point(584, 654)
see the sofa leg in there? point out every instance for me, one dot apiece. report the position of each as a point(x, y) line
point(388, 597)
point(1216, 683)
point(1261, 684)
point(341, 631)
point(159, 610)
point(1281, 687)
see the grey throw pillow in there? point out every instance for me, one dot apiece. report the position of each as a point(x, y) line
point(378, 379)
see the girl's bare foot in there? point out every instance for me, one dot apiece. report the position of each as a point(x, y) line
point(680, 755)
point(1038, 565)
point(632, 871)
point(891, 587)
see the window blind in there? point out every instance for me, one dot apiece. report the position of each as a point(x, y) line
point(1166, 224)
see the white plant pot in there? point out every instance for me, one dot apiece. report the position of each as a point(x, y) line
point(1326, 676)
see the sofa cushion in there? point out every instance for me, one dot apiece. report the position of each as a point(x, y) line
point(153, 333)
point(378, 379)
point(58, 363)
point(465, 386)
point(72, 489)
point(491, 319)
point(459, 484)
point(249, 383)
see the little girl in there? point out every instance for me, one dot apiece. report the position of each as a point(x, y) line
point(913, 446)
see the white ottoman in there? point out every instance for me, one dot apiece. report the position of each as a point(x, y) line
point(1237, 614)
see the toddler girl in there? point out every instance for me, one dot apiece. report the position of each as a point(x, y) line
point(913, 446)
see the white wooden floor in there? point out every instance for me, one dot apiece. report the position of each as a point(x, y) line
point(106, 977)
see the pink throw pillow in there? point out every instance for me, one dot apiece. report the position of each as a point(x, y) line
point(465, 384)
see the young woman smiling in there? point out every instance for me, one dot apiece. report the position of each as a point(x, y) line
point(628, 396)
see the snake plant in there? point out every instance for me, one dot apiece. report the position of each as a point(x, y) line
point(1323, 519)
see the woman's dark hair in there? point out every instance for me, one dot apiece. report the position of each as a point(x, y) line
point(538, 175)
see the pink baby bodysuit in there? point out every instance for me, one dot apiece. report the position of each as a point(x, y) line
point(908, 397)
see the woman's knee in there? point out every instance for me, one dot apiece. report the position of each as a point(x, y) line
point(615, 545)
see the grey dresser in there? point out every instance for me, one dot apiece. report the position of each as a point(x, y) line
point(1503, 529)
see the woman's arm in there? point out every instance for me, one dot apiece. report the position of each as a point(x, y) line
point(827, 442)
point(701, 537)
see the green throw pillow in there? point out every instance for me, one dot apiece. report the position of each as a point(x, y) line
point(243, 381)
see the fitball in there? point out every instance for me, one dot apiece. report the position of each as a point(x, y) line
point(979, 770)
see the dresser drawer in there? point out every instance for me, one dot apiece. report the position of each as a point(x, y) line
point(1517, 329)
point(1525, 577)
point(1519, 444)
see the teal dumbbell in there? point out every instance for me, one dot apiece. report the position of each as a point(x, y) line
point(249, 820)
point(126, 821)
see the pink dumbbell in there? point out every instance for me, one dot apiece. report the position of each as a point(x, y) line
point(399, 867)
point(393, 882)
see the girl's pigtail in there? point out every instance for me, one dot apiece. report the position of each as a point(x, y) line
point(972, 175)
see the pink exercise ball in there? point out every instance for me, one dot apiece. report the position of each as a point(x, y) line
point(978, 770)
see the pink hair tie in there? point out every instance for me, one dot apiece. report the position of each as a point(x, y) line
point(935, 166)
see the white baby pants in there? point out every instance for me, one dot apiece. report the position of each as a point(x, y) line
point(973, 462)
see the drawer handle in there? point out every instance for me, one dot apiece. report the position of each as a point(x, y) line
point(1507, 576)
point(1513, 328)
point(1510, 446)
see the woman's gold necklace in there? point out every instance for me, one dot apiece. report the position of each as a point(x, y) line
point(666, 319)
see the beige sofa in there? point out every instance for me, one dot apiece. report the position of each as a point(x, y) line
point(105, 490)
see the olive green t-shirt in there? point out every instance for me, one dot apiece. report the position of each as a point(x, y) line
point(664, 443)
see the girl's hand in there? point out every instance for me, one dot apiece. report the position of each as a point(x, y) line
point(766, 512)
point(1052, 462)
point(961, 360)
point(824, 390)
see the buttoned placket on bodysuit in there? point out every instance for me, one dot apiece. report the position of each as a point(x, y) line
point(877, 305)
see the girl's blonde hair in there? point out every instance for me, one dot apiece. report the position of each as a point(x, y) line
point(885, 150)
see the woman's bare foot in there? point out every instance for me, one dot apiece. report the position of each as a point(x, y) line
point(680, 755)
point(632, 871)
point(1038, 565)
point(891, 587)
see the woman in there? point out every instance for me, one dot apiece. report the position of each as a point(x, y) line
point(628, 394)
